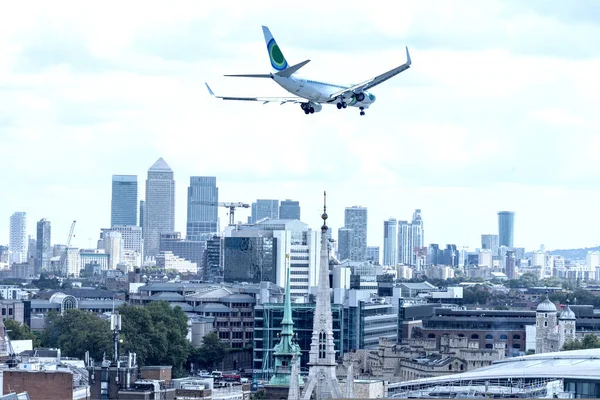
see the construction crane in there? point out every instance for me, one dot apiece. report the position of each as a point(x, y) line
point(230, 205)
point(63, 260)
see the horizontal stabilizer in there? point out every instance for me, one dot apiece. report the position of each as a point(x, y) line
point(291, 70)
point(251, 76)
point(264, 100)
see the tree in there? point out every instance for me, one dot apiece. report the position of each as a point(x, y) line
point(211, 352)
point(78, 331)
point(157, 333)
point(18, 331)
point(589, 341)
point(46, 283)
point(476, 294)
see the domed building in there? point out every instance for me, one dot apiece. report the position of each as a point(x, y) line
point(552, 331)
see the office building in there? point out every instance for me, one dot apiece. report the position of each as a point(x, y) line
point(411, 238)
point(123, 207)
point(355, 218)
point(344, 240)
point(202, 208)
point(373, 254)
point(17, 245)
point(159, 206)
point(190, 250)
point(142, 212)
point(44, 249)
point(212, 260)
point(390, 242)
point(506, 228)
point(511, 265)
point(289, 209)
point(490, 242)
point(255, 253)
point(262, 209)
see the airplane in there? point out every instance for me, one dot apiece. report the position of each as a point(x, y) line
point(313, 94)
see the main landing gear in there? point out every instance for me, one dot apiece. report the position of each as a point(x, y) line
point(341, 104)
point(362, 111)
point(308, 109)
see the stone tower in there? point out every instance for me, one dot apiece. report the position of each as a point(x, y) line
point(322, 381)
point(566, 326)
point(545, 327)
point(286, 349)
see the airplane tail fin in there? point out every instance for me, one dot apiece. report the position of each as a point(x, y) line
point(278, 61)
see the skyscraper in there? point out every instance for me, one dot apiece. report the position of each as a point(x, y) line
point(289, 209)
point(390, 242)
point(202, 208)
point(265, 209)
point(123, 210)
point(490, 242)
point(142, 213)
point(411, 236)
point(355, 218)
point(506, 228)
point(43, 247)
point(159, 206)
point(17, 245)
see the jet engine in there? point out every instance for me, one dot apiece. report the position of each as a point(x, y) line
point(317, 106)
point(359, 96)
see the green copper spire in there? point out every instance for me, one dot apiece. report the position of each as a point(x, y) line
point(285, 350)
point(287, 325)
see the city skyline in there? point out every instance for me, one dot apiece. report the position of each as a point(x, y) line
point(487, 119)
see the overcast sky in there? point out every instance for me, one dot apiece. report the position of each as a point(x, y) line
point(498, 112)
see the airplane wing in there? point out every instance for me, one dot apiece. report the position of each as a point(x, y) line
point(264, 100)
point(374, 81)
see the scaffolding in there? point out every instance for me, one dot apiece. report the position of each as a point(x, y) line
point(490, 388)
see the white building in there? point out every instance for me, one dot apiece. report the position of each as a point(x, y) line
point(17, 245)
point(485, 258)
point(73, 262)
point(13, 292)
point(132, 237)
point(294, 238)
point(169, 261)
point(390, 242)
point(538, 258)
point(93, 256)
point(592, 260)
point(113, 246)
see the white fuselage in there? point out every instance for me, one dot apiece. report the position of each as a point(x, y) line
point(320, 92)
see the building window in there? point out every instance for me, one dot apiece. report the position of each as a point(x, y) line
point(503, 337)
point(431, 336)
point(322, 344)
point(489, 337)
point(516, 337)
point(474, 336)
point(545, 323)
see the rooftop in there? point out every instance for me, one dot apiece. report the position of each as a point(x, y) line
point(575, 364)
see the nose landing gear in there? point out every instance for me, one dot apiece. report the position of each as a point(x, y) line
point(362, 111)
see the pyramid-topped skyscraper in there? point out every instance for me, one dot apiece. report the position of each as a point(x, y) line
point(159, 206)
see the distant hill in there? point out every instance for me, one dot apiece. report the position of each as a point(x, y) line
point(574, 254)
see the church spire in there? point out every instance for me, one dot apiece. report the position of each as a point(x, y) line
point(286, 352)
point(322, 379)
point(287, 324)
